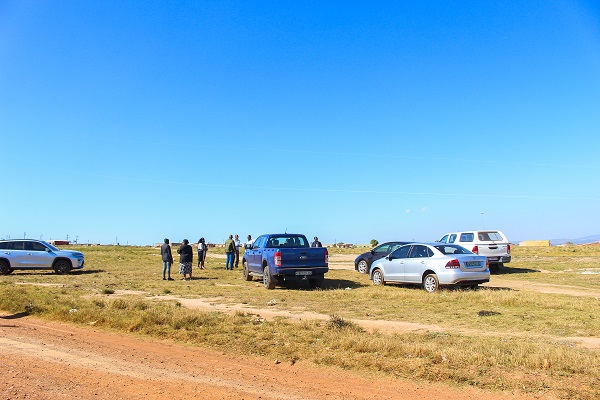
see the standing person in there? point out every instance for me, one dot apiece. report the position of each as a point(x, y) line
point(167, 257)
point(202, 249)
point(249, 241)
point(186, 257)
point(229, 252)
point(316, 243)
point(238, 244)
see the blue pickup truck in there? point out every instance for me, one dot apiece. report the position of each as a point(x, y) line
point(285, 257)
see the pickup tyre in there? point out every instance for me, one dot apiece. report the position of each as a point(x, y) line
point(268, 280)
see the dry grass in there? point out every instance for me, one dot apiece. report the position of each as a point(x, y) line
point(515, 347)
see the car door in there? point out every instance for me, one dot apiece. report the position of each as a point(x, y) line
point(255, 255)
point(38, 255)
point(416, 263)
point(15, 252)
point(393, 265)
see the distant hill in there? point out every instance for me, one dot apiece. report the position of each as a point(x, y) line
point(583, 240)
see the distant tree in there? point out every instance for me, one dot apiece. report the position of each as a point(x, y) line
point(374, 242)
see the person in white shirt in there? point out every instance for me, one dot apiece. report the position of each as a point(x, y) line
point(238, 244)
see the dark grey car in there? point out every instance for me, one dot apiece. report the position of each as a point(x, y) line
point(37, 254)
point(363, 262)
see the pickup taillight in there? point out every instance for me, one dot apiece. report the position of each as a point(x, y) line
point(453, 264)
point(326, 257)
point(475, 249)
point(277, 258)
point(508, 248)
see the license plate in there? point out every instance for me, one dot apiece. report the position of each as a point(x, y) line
point(303, 272)
point(473, 263)
point(492, 258)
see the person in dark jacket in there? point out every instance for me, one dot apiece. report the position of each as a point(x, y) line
point(167, 257)
point(186, 257)
point(316, 243)
point(229, 252)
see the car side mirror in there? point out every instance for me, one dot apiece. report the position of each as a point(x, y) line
point(390, 257)
point(48, 250)
point(248, 246)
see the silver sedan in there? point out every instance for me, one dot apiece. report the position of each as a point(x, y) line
point(431, 265)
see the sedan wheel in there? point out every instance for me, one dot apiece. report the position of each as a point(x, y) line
point(362, 267)
point(431, 283)
point(377, 278)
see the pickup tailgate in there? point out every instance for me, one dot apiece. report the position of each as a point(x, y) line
point(493, 250)
point(303, 258)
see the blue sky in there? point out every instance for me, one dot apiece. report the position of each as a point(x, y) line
point(139, 120)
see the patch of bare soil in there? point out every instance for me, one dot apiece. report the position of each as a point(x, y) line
point(380, 326)
point(44, 360)
point(550, 288)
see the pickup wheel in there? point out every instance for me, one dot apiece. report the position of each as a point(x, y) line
point(5, 269)
point(362, 267)
point(62, 267)
point(315, 283)
point(268, 280)
point(495, 267)
point(378, 279)
point(247, 276)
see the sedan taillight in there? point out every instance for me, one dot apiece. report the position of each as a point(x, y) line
point(453, 264)
point(475, 249)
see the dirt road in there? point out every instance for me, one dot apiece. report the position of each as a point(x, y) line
point(43, 360)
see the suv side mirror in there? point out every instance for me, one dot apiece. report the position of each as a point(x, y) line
point(248, 246)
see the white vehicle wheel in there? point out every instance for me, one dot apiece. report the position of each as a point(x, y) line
point(378, 279)
point(431, 283)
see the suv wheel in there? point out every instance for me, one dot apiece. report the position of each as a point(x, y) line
point(62, 267)
point(5, 269)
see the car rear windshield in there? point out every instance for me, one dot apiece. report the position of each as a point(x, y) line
point(450, 249)
point(286, 241)
point(490, 236)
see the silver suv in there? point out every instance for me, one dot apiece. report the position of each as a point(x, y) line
point(37, 254)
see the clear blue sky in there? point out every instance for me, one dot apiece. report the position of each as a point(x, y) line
point(139, 120)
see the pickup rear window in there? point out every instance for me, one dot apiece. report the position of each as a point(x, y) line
point(490, 236)
point(284, 241)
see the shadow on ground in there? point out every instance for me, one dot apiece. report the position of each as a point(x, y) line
point(510, 270)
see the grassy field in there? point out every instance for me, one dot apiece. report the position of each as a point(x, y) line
point(520, 344)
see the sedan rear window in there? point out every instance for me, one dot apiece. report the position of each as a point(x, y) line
point(452, 249)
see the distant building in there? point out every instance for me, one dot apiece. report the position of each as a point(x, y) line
point(59, 242)
point(535, 243)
